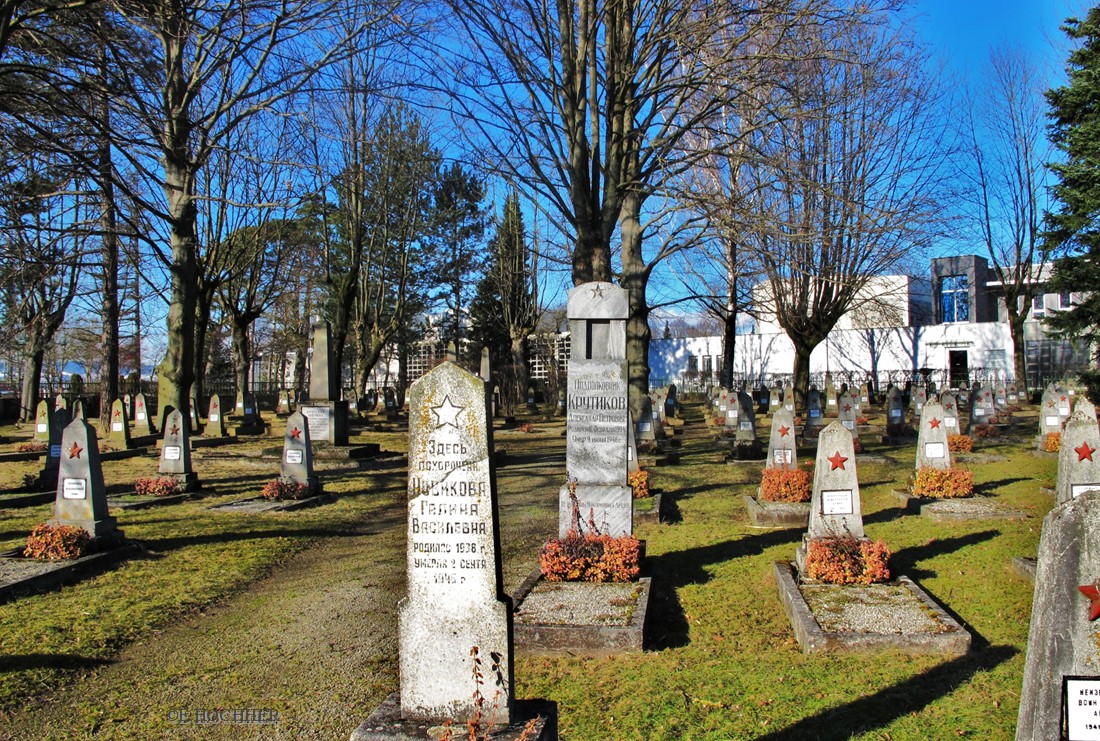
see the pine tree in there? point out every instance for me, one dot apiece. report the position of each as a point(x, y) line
point(1072, 229)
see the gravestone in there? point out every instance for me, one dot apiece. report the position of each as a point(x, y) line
point(389, 396)
point(175, 452)
point(297, 460)
point(895, 412)
point(55, 427)
point(660, 410)
point(644, 428)
point(1061, 685)
point(672, 403)
point(455, 599)
point(1086, 407)
point(485, 370)
point(864, 395)
point(788, 398)
point(917, 401)
point(372, 400)
point(847, 411)
point(597, 417)
point(950, 413)
point(1065, 403)
point(325, 413)
point(81, 496)
point(282, 404)
point(775, 399)
point(831, 397)
point(128, 403)
point(247, 410)
point(215, 418)
point(42, 422)
point(815, 412)
point(78, 409)
point(1078, 458)
point(1012, 394)
point(733, 410)
point(981, 406)
point(782, 451)
point(834, 504)
point(746, 420)
point(1050, 420)
point(1000, 397)
point(118, 433)
point(932, 450)
point(59, 401)
point(143, 418)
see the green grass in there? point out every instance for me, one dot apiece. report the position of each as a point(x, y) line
point(723, 662)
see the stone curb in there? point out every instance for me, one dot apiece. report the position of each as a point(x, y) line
point(769, 515)
point(385, 723)
point(64, 571)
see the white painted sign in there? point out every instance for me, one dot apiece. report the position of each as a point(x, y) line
point(1064, 411)
point(1082, 698)
point(781, 456)
point(1052, 421)
point(214, 416)
point(293, 456)
point(848, 423)
point(951, 422)
point(979, 412)
point(171, 453)
point(1078, 489)
point(43, 428)
point(141, 416)
point(746, 425)
point(933, 450)
point(74, 489)
point(836, 502)
point(116, 427)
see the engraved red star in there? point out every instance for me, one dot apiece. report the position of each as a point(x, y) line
point(1062, 398)
point(1093, 593)
point(949, 407)
point(214, 405)
point(837, 461)
point(140, 405)
point(296, 434)
point(847, 407)
point(934, 423)
point(784, 431)
point(75, 451)
point(118, 413)
point(1084, 452)
point(175, 429)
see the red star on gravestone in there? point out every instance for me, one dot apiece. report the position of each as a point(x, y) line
point(1050, 404)
point(934, 423)
point(140, 405)
point(949, 407)
point(1062, 398)
point(1093, 593)
point(75, 451)
point(118, 413)
point(296, 434)
point(847, 407)
point(175, 430)
point(215, 405)
point(837, 461)
point(1084, 452)
point(784, 431)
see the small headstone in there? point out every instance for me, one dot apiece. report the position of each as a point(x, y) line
point(644, 427)
point(81, 496)
point(1078, 458)
point(831, 399)
point(143, 420)
point(788, 397)
point(78, 409)
point(58, 421)
point(835, 510)
point(950, 413)
point(1050, 420)
point(1065, 403)
point(815, 412)
point(782, 450)
point(932, 450)
point(1061, 683)
point(175, 452)
point(451, 352)
point(847, 410)
point(1012, 394)
point(864, 395)
point(372, 400)
point(455, 598)
point(746, 420)
point(118, 433)
point(486, 370)
point(895, 412)
point(282, 405)
point(1086, 407)
point(1000, 397)
point(918, 399)
point(732, 409)
point(59, 402)
point(981, 406)
point(42, 422)
point(128, 402)
point(390, 397)
point(215, 418)
point(775, 398)
point(671, 402)
point(297, 461)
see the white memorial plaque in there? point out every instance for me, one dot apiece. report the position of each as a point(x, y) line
point(731, 414)
point(849, 424)
point(836, 502)
point(865, 400)
point(1078, 489)
point(781, 456)
point(141, 416)
point(74, 489)
point(746, 425)
point(1012, 398)
point(1064, 411)
point(318, 420)
point(116, 427)
point(832, 402)
point(240, 405)
point(645, 427)
point(895, 413)
point(933, 450)
point(43, 428)
point(722, 408)
point(214, 417)
point(293, 456)
point(979, 412)
point(951, 421)
point(171, 453)
point(1052, 421)
point(1082, 710)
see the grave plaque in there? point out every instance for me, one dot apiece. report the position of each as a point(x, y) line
point(455, 597)
point(215, 418)
point(781, 442)
point(1078, 458)
point(318, 419)
point(81, 497)
point(1062, 641)
point(932, 449)
point(835, 506)
point(175, 451)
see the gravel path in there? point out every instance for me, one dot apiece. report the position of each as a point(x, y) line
point(315, 641)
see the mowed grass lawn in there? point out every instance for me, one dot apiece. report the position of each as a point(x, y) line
point(722, 663)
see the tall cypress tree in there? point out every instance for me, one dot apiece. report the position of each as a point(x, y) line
point(1073, 229)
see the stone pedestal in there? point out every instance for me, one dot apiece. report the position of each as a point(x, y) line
point(328, 421)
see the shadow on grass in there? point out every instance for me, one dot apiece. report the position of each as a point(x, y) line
point(905, 561)
point(889, 704)
point(26, 662)
point(989, 488)
point(667, 626)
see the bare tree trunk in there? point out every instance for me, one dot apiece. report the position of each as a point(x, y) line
point(32, 379)
point(108, 387)
point(242, 353)
point(635, 279)
point(1019, 350)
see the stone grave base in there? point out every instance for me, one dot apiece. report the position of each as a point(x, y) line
point(980, 458)
point(211, 442)
point(1025, 567)
point(1040, 453)
point(17, 498)
point(580, 618)
point(650, 515)
point(854, 619)
point(385, 724)
point(130, 500)
point(252, 505)
point(119, 455)
point(17, 457)
point(963, 508)
point(776, 514)
point(260, 429)
point(873, 458)
point(19, 574)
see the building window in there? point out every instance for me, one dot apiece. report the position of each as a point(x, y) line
point(1065, 300)
point(956, 298)
point(707, 367)
point(1038, 305)
point(693, 364)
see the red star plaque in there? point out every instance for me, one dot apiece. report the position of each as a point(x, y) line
point(837, 461)
point(75, 451)
point(175, 429)
point(296, 434)
point(1084, 452)
point(1093, 593)
point(784, 431)
point(934, 423)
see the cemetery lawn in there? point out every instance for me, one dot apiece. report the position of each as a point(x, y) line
point(297, 611)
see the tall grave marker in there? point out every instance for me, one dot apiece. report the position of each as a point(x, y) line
point(175, 451)
point(1078, 458)
point(326, 414)
point(932, 450)
point(835, 509)
point(81, 496)
point(597, 416)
